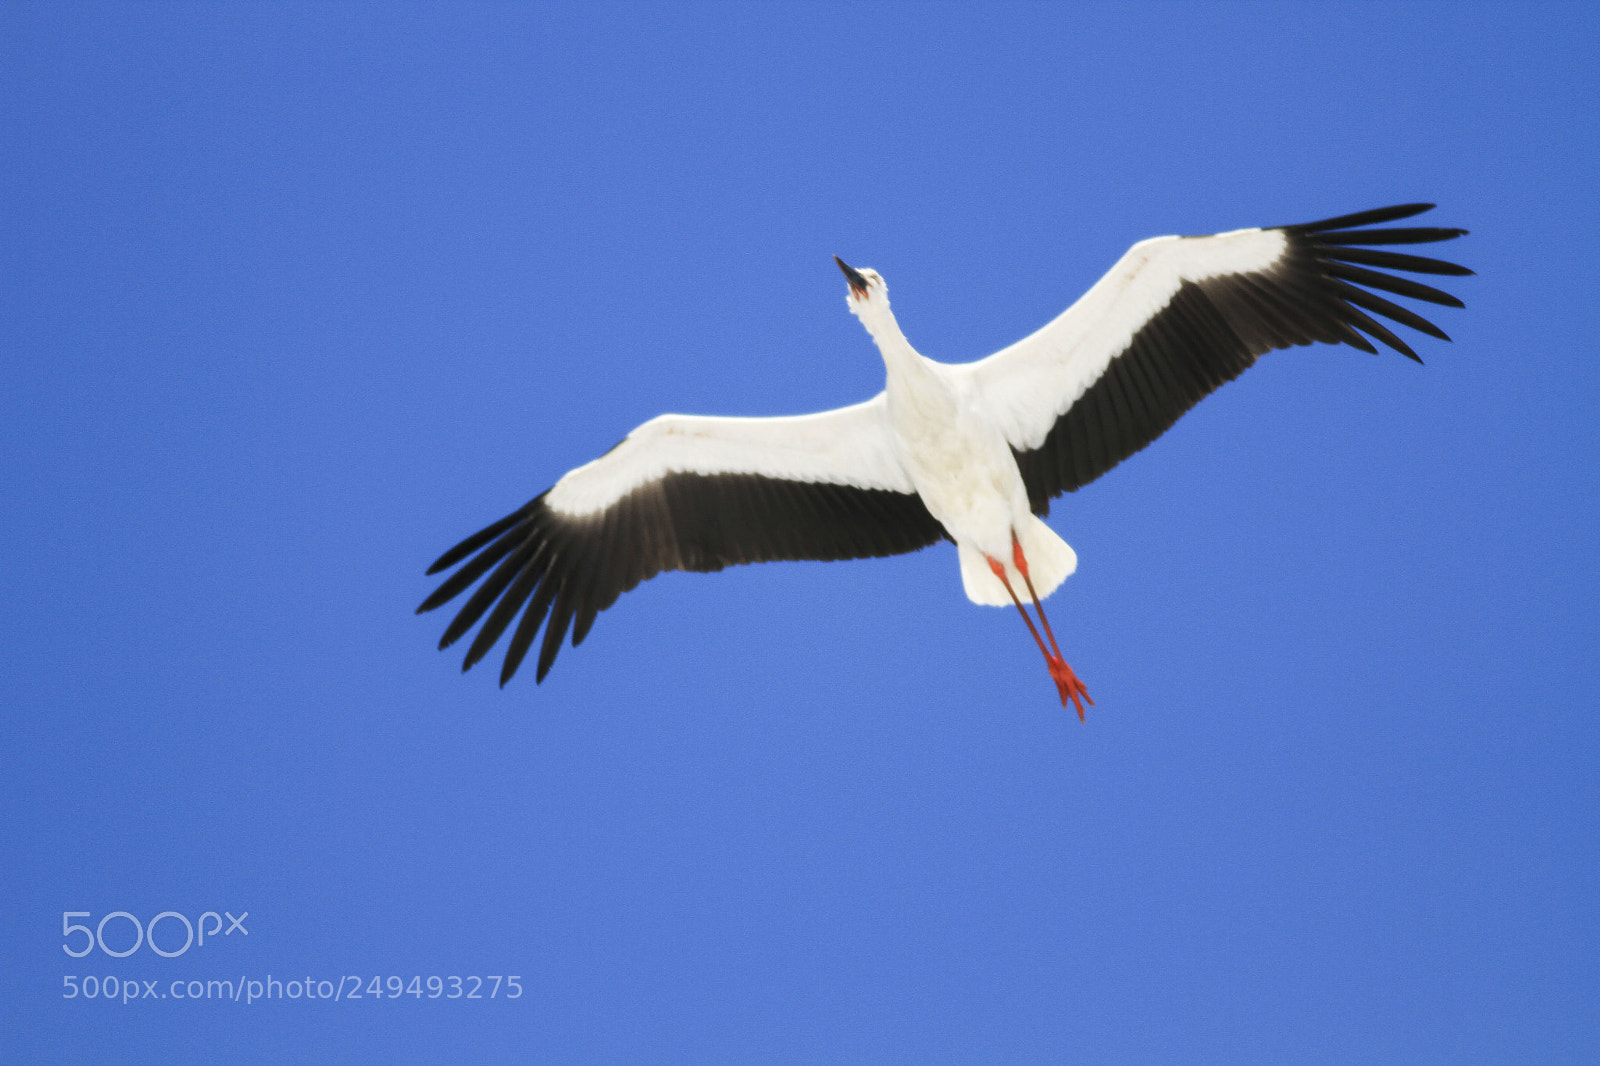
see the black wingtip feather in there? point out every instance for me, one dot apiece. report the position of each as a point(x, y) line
point(479, 539)
point(513, 548)
point(1416, 264)
point(504, 611)
point(532, 617)
point(1373, 328)
point(1417, 235)
point(1377, 216)
point(556, 628)
point(1389, 283)
point(1388, 309)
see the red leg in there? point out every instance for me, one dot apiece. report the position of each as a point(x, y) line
point(1000, 572)
point(1066, 681)
point(1021, 562)
point(1067, 684)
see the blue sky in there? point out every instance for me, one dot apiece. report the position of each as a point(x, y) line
point(294, 297)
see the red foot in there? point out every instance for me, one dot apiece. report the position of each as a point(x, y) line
point(1067, 683)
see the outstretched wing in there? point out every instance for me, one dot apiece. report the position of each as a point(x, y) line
point(683, 493)
point(1179, 316)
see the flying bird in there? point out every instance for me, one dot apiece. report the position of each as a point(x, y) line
point(970, 453)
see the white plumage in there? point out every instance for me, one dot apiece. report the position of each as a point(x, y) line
point(970, 453)
point(850, 446)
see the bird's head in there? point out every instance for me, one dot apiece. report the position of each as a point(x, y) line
point(867, 288)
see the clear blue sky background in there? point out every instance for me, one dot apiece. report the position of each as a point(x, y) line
point(294, 297)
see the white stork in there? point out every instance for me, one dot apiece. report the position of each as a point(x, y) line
point(971, 453)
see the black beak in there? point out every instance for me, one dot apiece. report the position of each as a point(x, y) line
point(858, 282)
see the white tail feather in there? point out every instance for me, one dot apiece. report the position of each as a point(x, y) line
point(1051, 561)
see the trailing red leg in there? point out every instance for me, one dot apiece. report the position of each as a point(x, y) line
point(1021, 562)
point(1067, 684)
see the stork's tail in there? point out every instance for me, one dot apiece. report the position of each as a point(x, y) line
point(1050, 562)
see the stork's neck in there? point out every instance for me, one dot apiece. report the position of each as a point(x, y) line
point(899, 358)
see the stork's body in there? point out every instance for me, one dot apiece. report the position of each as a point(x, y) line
point(963, 468)
point(956, 456)
point(971, 453)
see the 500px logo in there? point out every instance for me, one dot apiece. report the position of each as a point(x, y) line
point(145, 934)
